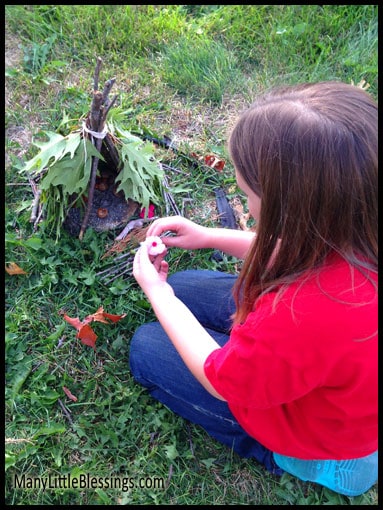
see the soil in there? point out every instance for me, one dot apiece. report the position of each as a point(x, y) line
point(109, 212)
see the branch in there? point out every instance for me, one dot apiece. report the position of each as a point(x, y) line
point(35, 207)
point(36, 201)
point(106, 111)
point(66, 412)
point(99, 110)
point(108, 86)
point(93, 175)
point(95, 111)
point(97, 74)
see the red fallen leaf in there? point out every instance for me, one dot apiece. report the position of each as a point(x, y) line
point(100, 316)
point(87, 336)
point(114, 318)
point(13, 268)
point(75, 322)
point(69, 394)
point(214, 162)
point(210, 160)
point(85, 332)
point(97, 317)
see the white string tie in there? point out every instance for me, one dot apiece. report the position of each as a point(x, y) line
point(97, 134)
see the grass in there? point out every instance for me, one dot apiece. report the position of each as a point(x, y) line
point(184, 72)
point(199, 68)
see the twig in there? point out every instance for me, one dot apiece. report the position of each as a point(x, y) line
point(66, 412)
point(169, 475)
point(97, 73)
point(99, 110)
point(173, 169)
point(115, 268)
point(35, 213)
point(170, 202)
point(95, 111)
point(123, 256)
point(133, 224)
point(106, 111)
point(92, 183)
point(9, 440)
point(108, 86)
point(128, 269)
point(119, 257)
point(17, 184)
point(37, 220)
point(33, 186)
point(35, 207)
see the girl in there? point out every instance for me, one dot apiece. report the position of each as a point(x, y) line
point(280, 363)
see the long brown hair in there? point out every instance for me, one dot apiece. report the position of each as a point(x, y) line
point(310, 152)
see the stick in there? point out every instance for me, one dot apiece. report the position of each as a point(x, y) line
point(66, 412)
point(108, 108)
point(95, 111)
point(97, 121)
point(37, 220)
point(128, 269)
point(130, 226)
point(114, 268)
point(97, 73)
point(93, 175)
point(108, 86)
point(35, 206)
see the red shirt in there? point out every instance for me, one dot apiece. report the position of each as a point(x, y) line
point(302, 378)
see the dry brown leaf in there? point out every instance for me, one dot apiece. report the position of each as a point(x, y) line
point(69, 394)
point(13, 268)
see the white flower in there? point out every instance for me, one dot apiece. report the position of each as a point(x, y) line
point(155, 245)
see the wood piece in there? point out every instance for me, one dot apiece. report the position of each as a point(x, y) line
point(97, 73)
point(95, 112)
point(92, 183)
point(107, 88)
point(112, 151)
point(35, 207)
point(99, 110)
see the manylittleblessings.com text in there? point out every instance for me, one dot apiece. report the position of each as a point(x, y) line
point(87, 481)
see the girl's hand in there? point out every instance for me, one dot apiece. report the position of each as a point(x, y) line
point(151, 272)
point(188, 235)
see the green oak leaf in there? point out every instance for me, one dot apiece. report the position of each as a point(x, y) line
point(72, 173)
point(141, 176)
point(52, 151)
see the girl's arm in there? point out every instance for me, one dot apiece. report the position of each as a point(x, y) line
point(232, 242)
point(190, 236)
point(191, 340)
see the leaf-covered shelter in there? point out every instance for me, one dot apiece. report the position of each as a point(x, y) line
point(97, 175)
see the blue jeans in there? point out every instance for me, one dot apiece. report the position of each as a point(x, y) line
point(156, 364)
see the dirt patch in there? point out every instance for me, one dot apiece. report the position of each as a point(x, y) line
point(13, 51)
point(21, 136)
